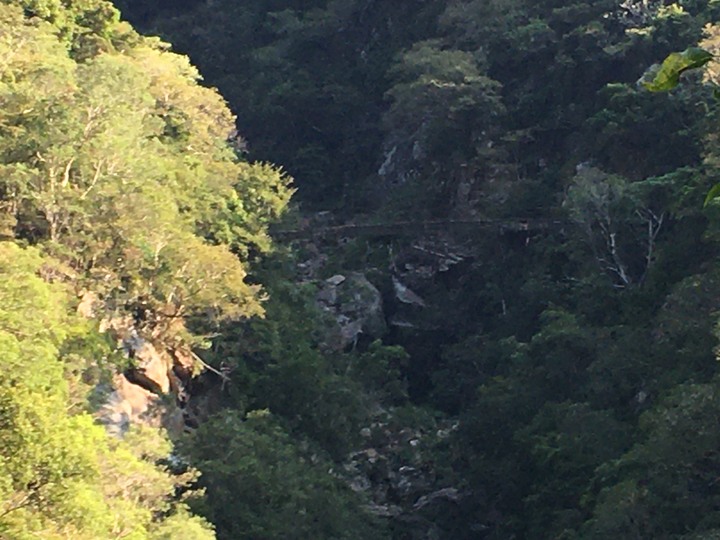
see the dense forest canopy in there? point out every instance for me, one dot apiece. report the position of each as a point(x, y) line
point(117, 180)
point(531, 355)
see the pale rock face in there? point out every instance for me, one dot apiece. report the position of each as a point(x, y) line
point(136, 396)
point(354, 307)
point(153, 368)
point(405, 295)
point(128, 404)
point(335, 280)
point(87, 306)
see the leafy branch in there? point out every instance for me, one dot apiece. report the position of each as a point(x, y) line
point(666, 76)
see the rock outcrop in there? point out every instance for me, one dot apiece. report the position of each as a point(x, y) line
point(151, 390)
point(395, 469)
point(354, 308)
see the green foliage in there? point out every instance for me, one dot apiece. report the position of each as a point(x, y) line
point(713, 194)
point(327, 59)
point(182, 526)
point(578, 358)
point(666, 76)
point(86, 27)
point(380, 369)
point(116, 167)
point(61, 475)
point(621, 220)
point(260, 486)
point(120, 166)
point(443, 111)
point(278, 364)
point(567, 442)
point(666, 486)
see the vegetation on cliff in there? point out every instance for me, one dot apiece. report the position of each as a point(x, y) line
point(556, 378)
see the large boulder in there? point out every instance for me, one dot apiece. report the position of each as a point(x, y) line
point(354, 308)
point(136, 396)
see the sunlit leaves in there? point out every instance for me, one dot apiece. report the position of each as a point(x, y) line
point(666, 76)
point(713, 194)
point(60, 474)
point(121, 164)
